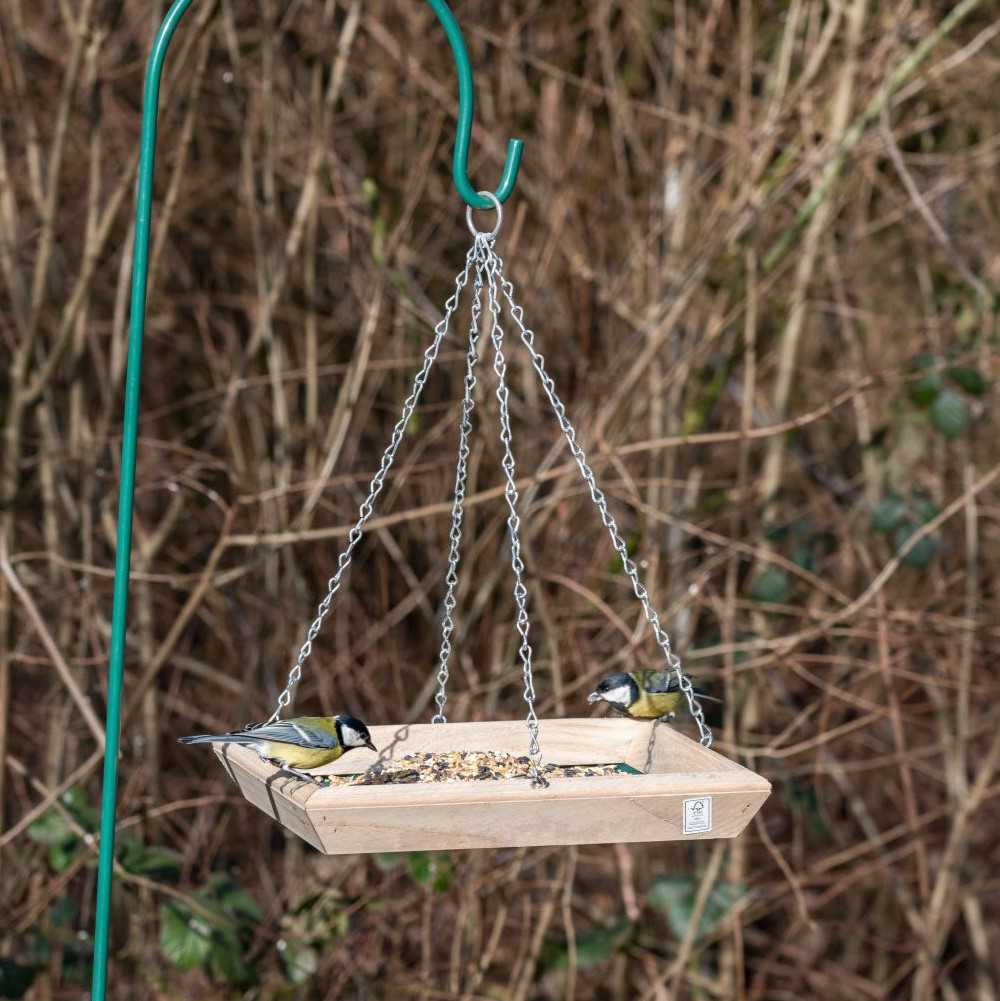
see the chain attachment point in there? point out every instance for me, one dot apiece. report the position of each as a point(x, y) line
point(492, 234)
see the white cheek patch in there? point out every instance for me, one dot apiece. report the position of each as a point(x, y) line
point(351, 737)
point(620, 696)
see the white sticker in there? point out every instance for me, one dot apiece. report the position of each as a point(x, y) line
point(698, 815)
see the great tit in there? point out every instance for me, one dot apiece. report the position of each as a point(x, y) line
point(294, 744)
point(643, 694)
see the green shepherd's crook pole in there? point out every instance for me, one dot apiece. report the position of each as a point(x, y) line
point(130, 427)
point(123, 552)
point(460, 162)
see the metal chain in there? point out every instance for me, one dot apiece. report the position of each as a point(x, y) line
point(483, 261)
point(492, 266)
point(377, 483)
point(461, 478)
point(597, 496)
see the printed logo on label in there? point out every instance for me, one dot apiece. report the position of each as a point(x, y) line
point(698, 815)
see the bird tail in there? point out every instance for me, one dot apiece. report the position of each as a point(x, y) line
point(213, 738)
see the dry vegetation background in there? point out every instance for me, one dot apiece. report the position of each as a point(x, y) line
point(758, 243)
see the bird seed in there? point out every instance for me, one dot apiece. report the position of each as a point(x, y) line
point(462, 766)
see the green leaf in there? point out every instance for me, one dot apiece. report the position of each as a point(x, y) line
point(162, 862)
point(921, 554)
point(926, 510)
point(75, 800)
point(802, 556)
point(675, 895)
point(50, 828)
point(300, 962)
point(185, 940)
point(926, 389)
point(62, 854)
point(777, 532)
point(950, 414)
point(431, 869)
point(231, 897)
point(15, 979)
point(226, 960)
point(969, 379)
point(771, 587)
point(592, 947)
point(889, 513)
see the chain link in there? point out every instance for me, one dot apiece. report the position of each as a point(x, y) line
point(461, 478)
point(513, 519)
point(377, 483)
point(486, 265)
point(597, 496)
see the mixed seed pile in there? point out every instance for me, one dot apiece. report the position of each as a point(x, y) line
point(461, 766)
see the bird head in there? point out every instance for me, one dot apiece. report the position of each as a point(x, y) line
point(353, 733)
point(620, 690)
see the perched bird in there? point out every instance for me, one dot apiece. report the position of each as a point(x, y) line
point(643, 694)
point(294, 744)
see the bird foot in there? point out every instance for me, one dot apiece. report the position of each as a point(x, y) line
point(304, 778)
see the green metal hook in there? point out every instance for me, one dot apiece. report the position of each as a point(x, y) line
point(130, 424)
point(466, 101)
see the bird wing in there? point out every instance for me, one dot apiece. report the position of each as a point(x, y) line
point(290, 731)
point(663, 681)
point(658, 682)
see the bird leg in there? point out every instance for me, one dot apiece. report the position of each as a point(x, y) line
point(300, 775)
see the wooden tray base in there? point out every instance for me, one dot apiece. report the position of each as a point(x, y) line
point(686, 791)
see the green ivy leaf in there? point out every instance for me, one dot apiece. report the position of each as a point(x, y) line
point(226, 960)
point(777, 532)
point(950, 414)
point(231, 897)
point(185, 940)
point(431, 869)
point(63, 854)
point(164, 863)
point(926, 389)
point(921, 554)
point(969, 379)
point(771, 587)
point(802, 556)
point(926, 509)
point(592, 947)
point(675, 896)
point(889, 513)
point(50, 828)
point(300, 962)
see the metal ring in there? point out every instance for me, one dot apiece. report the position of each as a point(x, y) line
point(499, 211)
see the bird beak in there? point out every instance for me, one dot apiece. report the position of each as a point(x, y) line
point(594, 697)
point(371, 744)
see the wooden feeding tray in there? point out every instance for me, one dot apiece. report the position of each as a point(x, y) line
point(668, 788)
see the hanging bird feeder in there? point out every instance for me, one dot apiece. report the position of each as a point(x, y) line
point(664, 787)
point(586, 780)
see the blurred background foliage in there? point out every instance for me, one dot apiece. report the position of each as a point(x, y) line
point(758, 243)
